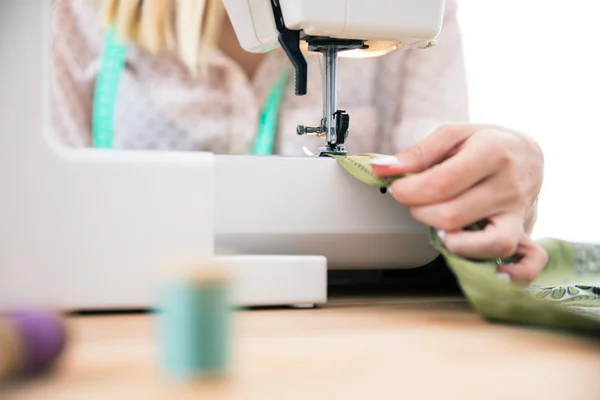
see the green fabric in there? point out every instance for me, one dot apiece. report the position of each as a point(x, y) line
point(566, 296)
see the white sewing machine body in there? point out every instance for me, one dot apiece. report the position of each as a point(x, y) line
point(411, 22)
point(289, 212)
point(82, 229)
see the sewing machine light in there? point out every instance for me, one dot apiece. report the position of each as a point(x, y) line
point(376, 48)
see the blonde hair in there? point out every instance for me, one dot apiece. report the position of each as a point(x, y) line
point(189, 27)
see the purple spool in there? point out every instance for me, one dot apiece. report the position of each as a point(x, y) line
point(43, 335)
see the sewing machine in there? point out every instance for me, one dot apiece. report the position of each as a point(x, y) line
point(84, 229)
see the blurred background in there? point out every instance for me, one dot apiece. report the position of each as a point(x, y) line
point(532, 66)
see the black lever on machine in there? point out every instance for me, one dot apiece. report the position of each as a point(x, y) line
point(290, 42)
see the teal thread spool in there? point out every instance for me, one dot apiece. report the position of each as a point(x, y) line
point(194, 324)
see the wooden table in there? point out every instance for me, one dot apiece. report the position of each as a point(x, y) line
point(374, 348)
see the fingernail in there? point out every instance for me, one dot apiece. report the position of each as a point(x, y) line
point(388, 190)
point(385, 161)
point(441, 234)
point(503, 276)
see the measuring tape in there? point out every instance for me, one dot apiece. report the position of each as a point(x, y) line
point(105, 93)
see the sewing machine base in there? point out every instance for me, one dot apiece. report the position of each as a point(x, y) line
point(264, 280)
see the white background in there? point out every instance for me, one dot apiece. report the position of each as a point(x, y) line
point(533, 65)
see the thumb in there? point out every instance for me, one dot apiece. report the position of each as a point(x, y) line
point(435, 148)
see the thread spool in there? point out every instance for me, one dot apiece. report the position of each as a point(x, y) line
point(43, 337)
point(31, 341)
point(194, 325)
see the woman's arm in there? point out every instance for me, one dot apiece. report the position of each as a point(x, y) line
point(434, 89)
point(76, 42)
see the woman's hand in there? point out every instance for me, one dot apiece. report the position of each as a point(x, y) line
point(462, 174)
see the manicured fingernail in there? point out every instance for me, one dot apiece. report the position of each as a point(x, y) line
point(503, 276)
point(385, 161)
point(441, 234)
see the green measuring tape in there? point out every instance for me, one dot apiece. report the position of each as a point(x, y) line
point(107, 85)
point(105, 93)
point(267, 128)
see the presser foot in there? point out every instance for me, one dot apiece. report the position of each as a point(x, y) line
point(337, 138)
point(329, 151)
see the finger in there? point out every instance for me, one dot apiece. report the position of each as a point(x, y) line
point(430, 151)
point(499, 239)
point(532, 260)
point(476, 162)
point(481, 202)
